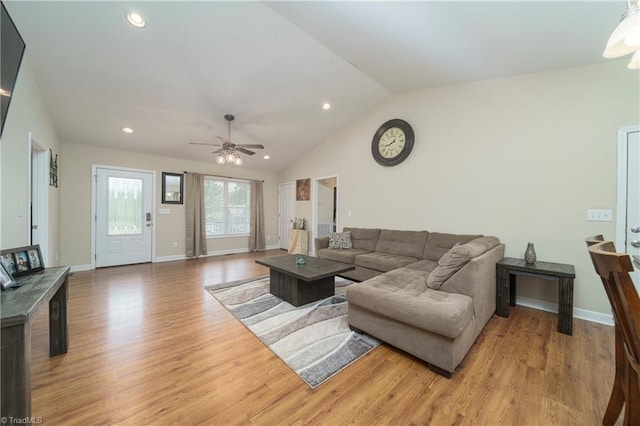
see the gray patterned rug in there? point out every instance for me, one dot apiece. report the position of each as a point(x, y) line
point(314, 340)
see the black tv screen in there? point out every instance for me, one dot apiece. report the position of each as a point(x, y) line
point(11, 51)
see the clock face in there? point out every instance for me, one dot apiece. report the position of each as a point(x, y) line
point(392, 143)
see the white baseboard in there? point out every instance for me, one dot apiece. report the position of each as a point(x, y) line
point(80, 268)
point(160, 259)
point(210, 254)
point(171, 258)
point(584, 314)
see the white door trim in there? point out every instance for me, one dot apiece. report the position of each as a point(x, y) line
point(621, 202)
point(39, 170)
point(94, 201)
point(314, 206)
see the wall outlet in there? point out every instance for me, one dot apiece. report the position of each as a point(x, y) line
point(175, 244)
point(599, 215)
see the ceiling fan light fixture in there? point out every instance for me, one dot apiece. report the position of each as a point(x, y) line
point(625, 39)
point(326, 106)
point(266, 157)
point(238, 161)
point(220, 159)
point(230, 157)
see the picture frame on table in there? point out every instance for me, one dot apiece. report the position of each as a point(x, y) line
point(22, 260)
point(6, 280)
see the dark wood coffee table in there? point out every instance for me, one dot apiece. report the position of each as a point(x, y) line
point(302, 284)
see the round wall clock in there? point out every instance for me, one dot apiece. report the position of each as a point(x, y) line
point(392, 143)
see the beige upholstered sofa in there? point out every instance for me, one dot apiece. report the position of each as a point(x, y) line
point(427, 293)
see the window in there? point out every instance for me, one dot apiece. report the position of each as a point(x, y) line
point(226, 204)
point(124, 206)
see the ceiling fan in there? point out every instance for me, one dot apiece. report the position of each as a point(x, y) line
point(228, 151)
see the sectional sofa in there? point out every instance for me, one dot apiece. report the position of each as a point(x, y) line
point(427, 293)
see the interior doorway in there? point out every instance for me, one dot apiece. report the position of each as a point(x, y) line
point(39, 199)
point(628, 206)
point(325, 207)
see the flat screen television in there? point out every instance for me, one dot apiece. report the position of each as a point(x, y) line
point(11, 51)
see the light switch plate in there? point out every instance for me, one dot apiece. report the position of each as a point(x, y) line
point(599, 215)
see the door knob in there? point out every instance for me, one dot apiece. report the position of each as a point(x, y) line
point(635, 229)
point(635, 243)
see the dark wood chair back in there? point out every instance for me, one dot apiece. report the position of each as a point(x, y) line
point(613, 269)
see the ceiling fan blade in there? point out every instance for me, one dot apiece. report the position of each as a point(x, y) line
point(254, 146)
point(245, 151)
point(208, 144)
point(217, 151)
point(225, 140)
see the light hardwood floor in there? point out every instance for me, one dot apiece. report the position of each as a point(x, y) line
point(148, 345)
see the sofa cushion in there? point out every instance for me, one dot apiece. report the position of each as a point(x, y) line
point(363, 238)
point(344, 255)
point(402, 295)
point(423, 265)
point(458, 256)
point(438, 244)
point(382, 261)
point(340, 240)
point(402, 243)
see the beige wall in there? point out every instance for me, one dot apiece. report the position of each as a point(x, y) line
point(27, 114)
point(75, 181)
point(521, 158)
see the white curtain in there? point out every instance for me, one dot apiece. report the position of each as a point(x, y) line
point(196, 232)
point(256, 220)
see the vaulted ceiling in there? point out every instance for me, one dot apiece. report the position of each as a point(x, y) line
point(273, 64)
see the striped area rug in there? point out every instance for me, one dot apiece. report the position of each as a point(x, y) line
point(314, 340)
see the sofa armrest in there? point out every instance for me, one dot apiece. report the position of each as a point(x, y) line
point(320, 243)
point(477, 279)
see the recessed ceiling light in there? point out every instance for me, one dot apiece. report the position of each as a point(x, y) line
point(266, 157)
point(326, 106)
point(127, 129)
point(136, 19)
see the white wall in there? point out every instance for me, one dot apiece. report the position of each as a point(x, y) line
point(521, 158)
point(27, 113)
point(75, 181)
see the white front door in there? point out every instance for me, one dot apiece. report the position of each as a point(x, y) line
point(629, 197)
point(123, 217)
point(286, 212)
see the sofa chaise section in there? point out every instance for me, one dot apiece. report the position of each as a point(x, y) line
point(437, 326)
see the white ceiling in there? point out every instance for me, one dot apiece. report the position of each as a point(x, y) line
point(273, 64)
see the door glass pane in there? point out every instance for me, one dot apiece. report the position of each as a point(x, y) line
point(124, 206)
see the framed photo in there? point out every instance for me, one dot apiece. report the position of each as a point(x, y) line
point(6, 280)
point(22, 260)
point(9, 263)
point(303, 189)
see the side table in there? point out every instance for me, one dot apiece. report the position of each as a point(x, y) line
point(18, 307)
point(298, 241)
point(508, 268)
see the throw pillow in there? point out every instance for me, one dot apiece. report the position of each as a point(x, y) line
point(450, 263)
point(340, 240)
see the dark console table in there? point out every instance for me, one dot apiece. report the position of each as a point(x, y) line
point(18, 307)
point(508, 268)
